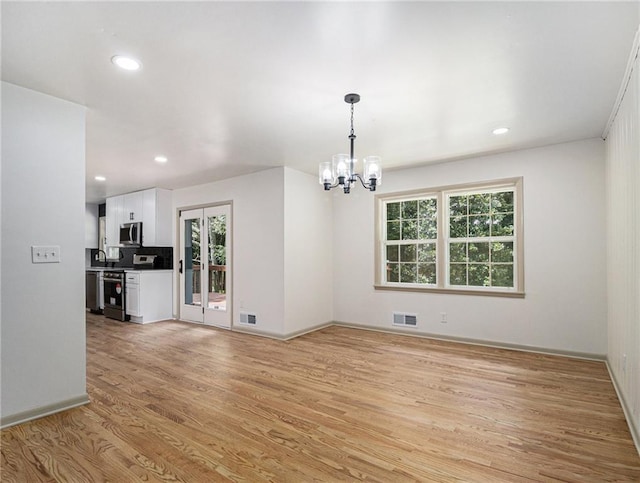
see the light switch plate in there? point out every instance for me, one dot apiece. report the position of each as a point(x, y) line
point(45, 254)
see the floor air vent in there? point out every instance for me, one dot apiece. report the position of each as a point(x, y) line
point(406, 320)
point(246, 318)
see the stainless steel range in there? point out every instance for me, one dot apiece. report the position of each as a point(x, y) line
point(145, 261)
point(114, 295)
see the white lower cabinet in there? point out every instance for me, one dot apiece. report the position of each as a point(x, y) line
point(101, 289)
point(132, 291)
point(149, 295)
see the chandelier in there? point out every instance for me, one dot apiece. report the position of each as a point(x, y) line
point(342, 170)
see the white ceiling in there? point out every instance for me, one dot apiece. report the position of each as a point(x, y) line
point(231, 88)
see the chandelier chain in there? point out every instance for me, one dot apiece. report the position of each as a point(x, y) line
point(352, 119)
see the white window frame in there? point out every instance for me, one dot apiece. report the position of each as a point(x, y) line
point(401, 242)
point(442, 253)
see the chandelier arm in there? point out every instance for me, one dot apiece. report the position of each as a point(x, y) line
point(371, 186)
point(329, 186)
point(364, 185)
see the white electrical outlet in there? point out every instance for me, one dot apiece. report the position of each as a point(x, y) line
point(443, 317)
point(45, 254)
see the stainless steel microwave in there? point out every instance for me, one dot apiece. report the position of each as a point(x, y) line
point(131, 234)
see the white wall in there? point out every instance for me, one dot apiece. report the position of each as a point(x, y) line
point(623, 248)
point(564, 308)
point(308, 255)
point(43, 203)
point(281, 247)
point(258, 242)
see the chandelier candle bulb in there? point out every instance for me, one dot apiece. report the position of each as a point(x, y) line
point(372, 169)
point(326, 175)
point(341, 165)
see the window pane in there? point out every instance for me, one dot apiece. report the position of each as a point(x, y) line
point(479, 204)
point(393, 272)
point(479, 275)
point(393, 211)
point(409, 209)
point(502, 225)
point(216, 266)
point(409, 230)
point(393, 230)
point(392, 253)
point(502, 202)
point(218, 240)
point(458, 252)
point(427, 273)
point(458, 274)
point(502, 252)
point(458, 227)
point(479, 252)
point(479, 225)
point(502, 275)
point(192, 262)
point(408, 272)
point(457, 205)
point(407, 253)
point(427, 229)
point(427, 252)
point(427, 209)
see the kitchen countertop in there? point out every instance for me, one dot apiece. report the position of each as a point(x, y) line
point(145, 270)
point(116, 269)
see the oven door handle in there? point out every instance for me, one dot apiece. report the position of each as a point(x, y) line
point(180, 267)
point(131, 233)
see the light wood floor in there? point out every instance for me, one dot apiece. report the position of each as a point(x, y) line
point(178, 402)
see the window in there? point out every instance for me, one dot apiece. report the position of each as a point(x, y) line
point(411, 237)
point(462, 239)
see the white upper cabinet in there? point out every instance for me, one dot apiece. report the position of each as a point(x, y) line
point(156, 218)
point(132, 211)
point(91, 226)
point(152, 207)
point(114, 211)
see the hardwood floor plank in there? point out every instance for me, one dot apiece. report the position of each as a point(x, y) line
point(19, 464)
point(179, 402)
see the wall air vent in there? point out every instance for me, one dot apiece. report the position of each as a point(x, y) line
point(405, 320)
point(247, 319)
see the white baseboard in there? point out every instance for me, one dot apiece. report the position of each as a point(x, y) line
point(36, 413)
point(480, 342)
point(412, 333)
point(628, 414)
point(292, 335)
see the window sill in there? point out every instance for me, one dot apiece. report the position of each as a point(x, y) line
point(453, 291)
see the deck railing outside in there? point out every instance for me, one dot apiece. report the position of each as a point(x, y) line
point(217, 278)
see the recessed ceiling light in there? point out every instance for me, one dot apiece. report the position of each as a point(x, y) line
point(126, 63)
point(160, 159)
point(100, 178)
point(501, 130)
